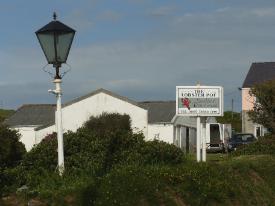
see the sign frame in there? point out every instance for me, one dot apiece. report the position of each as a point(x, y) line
point(221, 101)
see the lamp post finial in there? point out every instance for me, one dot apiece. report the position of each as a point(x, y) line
point(54, 16)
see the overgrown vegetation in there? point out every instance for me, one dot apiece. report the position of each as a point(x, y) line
point(113, 166)
point(102, 144)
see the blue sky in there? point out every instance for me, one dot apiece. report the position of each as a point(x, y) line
point(141, 49)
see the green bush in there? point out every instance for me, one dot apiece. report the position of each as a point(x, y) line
point(106, 124)
point(115, 146)
point(90, 152)
point(11, 153)
point(156, 152)
point(11, 150)
point(264, 145)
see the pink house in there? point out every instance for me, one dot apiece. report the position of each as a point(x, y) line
point(258, 73)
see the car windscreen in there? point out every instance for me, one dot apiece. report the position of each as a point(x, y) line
point(244, 138)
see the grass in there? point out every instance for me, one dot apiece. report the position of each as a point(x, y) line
point(212, 157)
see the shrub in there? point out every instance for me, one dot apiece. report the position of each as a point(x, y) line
point(117, 145)
point(106, 124)
point(161, 152)
point(90, 155)
point(11, 153)
point(11, 150)
point(264, 145)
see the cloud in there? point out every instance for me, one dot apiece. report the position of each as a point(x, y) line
point(215, 47)
point(264, 12)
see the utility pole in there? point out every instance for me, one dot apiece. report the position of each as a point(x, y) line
point(232, 109)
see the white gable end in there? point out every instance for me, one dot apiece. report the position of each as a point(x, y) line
point(76, 114)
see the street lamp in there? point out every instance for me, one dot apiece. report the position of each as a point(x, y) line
point(56, 39)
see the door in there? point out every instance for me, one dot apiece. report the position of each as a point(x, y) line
point(213, 136)
point(258, 131)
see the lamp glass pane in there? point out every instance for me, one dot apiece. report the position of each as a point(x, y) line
point(47, 44)
point(63, 43)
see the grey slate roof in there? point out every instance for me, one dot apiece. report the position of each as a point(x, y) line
point(259, 73)
point(160, 111)
point(32, 114)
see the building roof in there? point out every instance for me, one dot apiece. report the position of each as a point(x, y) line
point(102, 91)
point(259, 73)
point(160, 111)
point(188, 121)
point(191, 121)
point(43, 115)
point(32, 115)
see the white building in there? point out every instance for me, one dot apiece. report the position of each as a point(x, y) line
point(152, 118)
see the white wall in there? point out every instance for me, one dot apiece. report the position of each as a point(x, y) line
point(27, 136)
point(163, 132)
point(76, 114)
point(41, 134)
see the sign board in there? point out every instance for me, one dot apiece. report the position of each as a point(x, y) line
point(199, 101)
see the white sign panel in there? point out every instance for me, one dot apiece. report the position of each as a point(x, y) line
point(199, 101)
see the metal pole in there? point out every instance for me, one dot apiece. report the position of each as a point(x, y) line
point(198, 139)
point(59, 128)
point(232, 109)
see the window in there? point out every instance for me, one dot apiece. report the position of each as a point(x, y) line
point(244, 138)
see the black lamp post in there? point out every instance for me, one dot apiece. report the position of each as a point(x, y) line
point(56, 39)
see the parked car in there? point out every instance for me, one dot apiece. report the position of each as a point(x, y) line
point(240, 139)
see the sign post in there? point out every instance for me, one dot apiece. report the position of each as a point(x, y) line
point(199, 101)
point(198, 148)
point(203, 141)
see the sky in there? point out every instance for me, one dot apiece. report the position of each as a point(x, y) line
point(141, 49)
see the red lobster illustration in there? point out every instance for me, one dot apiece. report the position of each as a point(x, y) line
point(186, 103)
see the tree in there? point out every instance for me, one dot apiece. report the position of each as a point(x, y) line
point(233, 119)
point(264, 105)
point(11, 150)
point(5, 114)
